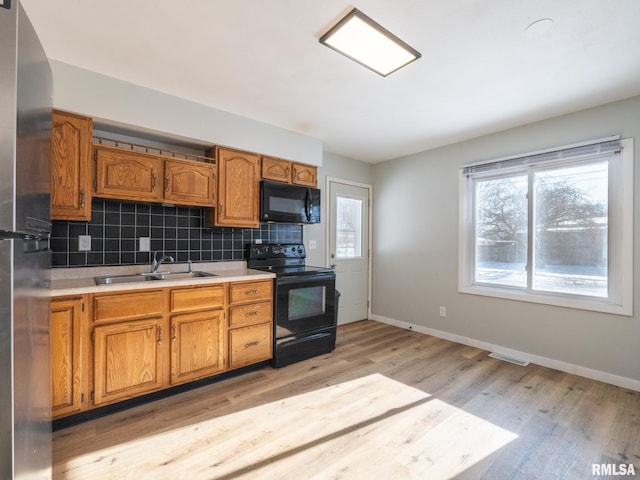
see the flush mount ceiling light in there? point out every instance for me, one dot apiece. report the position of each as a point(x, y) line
point(362, 40)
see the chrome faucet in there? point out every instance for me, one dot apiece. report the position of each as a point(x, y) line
point(155, 263)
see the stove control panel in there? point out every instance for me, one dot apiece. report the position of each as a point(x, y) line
point(277, 250)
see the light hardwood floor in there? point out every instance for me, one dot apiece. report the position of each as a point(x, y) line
point(388, 403)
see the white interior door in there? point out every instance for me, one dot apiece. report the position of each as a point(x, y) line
point(349, 233)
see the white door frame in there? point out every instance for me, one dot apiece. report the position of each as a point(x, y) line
point(327, 208)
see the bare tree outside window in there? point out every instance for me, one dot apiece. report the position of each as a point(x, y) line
point(570, 230)
point(501, 231)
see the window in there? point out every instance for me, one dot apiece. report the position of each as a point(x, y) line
point(348, 227)
point(551, 227)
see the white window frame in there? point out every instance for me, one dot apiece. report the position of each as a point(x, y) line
point(620, 243)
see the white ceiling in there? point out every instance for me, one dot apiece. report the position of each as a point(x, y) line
point(480, 70)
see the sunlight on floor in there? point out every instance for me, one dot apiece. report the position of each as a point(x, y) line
point(371, 427)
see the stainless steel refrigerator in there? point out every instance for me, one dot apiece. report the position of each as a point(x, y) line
point(25, 113)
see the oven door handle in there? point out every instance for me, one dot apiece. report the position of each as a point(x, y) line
point(306, 279)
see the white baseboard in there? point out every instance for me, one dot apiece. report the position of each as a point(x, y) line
point(598, 375)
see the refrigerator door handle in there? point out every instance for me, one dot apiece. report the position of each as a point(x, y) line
point(7, 235)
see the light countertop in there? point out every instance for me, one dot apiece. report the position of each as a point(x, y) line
point(80, 280)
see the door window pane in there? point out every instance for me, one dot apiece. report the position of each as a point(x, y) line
point(571, 230)
point(501, 231)
point(348, 227)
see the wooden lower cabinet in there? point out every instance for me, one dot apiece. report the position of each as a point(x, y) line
point(197, 332)
point(250, 322)
point(114, 346)
point(248, 345)
point(130, 341)
point(128, 359)
point(69, 372)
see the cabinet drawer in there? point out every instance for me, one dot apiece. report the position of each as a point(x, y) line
point(197, 298)
point(127, 306)
point(250, 314)
point(250, 291)
point(249, 345)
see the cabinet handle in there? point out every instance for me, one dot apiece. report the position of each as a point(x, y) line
point(251, 344)
point(82, 198)
point(166, 183)
point(154, 181)
point(159, 335)
point(220, 208)
point(174, 327)
point(251, 314)
point(251, 292)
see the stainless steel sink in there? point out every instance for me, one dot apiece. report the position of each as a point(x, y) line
point(146, 277)
point(181, 275)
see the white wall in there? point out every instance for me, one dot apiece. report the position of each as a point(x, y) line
point(334, 166)
point(113, 101)
point(415, 262)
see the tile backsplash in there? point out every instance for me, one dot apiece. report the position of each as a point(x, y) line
point(116, 227)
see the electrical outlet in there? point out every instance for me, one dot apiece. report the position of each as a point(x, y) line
point(313, 244)
point(443, 311)
point(145, 244)
point(84, 243)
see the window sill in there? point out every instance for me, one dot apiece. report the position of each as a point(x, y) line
point(591, 304)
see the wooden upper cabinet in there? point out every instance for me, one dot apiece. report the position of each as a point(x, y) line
point(276, 169)
point(140, 176)
point(127, 175)
point(70, 166)
point(188, 182)
point(302, 174)
point(238, 193)
point(280, 170)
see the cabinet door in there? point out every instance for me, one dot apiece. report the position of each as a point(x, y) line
point(68, 378)
point(128, 175)
point(238, 189)
point(304, 175)
point(128, 359)
point(276, 169)
point(187, 182)
point(197, 345)
point(70, 166)
point(248, 345)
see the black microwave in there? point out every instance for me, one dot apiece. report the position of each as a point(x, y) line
point(283, 202)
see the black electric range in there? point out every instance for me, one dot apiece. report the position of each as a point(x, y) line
point(305, 302)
